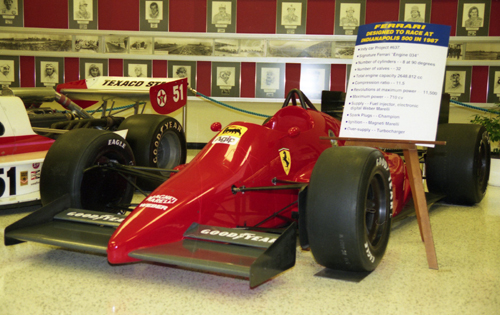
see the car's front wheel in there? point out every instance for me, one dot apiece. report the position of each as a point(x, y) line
point(349, 208)
point(72, 167)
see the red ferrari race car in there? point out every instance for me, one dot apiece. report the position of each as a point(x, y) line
point(222, 211)
point(27, 134)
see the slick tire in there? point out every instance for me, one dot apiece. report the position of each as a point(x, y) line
point(349, 207)
point(157, 141)
point(460, 170)
point(65, 170)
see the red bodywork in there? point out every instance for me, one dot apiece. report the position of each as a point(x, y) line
point(242, 154)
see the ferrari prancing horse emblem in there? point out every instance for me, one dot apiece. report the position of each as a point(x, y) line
point(286, 160)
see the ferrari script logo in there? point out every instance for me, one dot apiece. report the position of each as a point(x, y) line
point(161, 98)
point(286, 160)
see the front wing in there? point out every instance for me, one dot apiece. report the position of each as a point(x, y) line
point(257, 256)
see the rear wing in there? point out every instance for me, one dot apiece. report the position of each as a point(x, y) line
point(166, 94)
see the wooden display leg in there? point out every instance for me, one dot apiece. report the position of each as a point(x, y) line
point(417, 188)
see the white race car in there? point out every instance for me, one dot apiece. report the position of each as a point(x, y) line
point(25, 137)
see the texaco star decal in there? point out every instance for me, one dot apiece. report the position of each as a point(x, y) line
point(161, 98)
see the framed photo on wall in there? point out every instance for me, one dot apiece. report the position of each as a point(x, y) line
point(349, 15)
point(473, 17)
point(141, 45)
point(82, 14)
point(457, 83)
point(226, 79)
point(93, 67)
point(9, 71)
point(137, 68)
point(183, 69)
point(87, 44)
point(11, 12)
point(494, 85)
point(291, 16)
point(314, 79)
point(49, 71)
point(153, 15)
point(270, 80)
point(456, 51)
point(415, 11)
point(116, 44)
point(221, 16)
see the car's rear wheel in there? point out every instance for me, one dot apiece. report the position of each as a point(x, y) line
point(349, 207)
point(460, 170)
point(65, 170)
point(157, 141)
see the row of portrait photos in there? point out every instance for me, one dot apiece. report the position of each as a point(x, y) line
point(225, 76)
point(472, 17)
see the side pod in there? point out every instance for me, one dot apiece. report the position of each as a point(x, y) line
point(242, 253)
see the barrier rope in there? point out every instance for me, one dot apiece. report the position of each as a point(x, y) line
point(474, 107)
point(226, 105)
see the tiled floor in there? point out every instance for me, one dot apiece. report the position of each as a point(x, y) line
point(39, 279)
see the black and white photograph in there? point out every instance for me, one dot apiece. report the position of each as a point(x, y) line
point(183, 69)
point(137, 68)
point(116, 44)
point(141, 45)
point(252, 48)
point(11, 13)
point(349, 15)
point(184, 46)
point(87, 44)
point(226, 79)
point(270, 80)
point(7, 71)
point(286, 48)
point(456, 51)
point(82, 14)
point(93, 67)
point(314, 78)
point(49, 71)
point(226, 47)
point(154, 15)
point(494, 85)
point(291, 16)
point(482, 51)
point(457, 83)
point(415, 11)
point(473, 17)
point(343, 50)
point(35, 42)
point(221, 16)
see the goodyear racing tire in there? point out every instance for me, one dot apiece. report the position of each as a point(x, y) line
point(349, 206)
point(461, 168)
point(64, 170)
point(157, 141)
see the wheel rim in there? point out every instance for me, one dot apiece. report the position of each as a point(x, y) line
point(482, 166)
point(103, 189)
point(375, 210)
point(169, 150)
